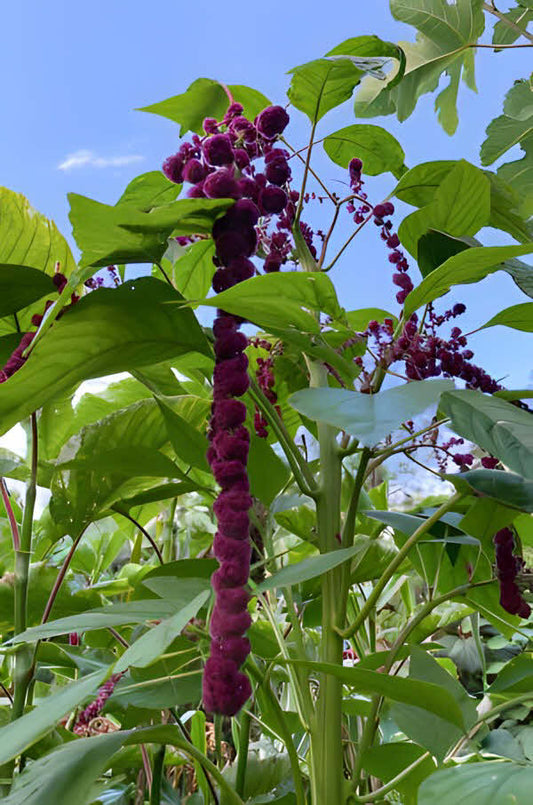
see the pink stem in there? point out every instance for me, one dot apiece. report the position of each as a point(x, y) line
point(11, 516)
point(59, 580)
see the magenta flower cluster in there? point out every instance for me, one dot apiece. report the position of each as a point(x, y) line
point(220, 165)
point(266, 382)
point(508, 567)
point(94, 709)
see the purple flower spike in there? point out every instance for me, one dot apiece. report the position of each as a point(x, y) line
point(272, 121)
point(225, 688)
point(218, 150)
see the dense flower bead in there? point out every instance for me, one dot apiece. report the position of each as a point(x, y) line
point(508, 566)
point(173, 168)
point(221, 184)
point(218, 150)
point(272, 199)
point(272, 121)
point(225, 688)
point(194, 171)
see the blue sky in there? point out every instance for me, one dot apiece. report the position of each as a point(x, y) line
point(73, 74)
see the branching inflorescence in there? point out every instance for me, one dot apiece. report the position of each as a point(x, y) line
point(220, 165)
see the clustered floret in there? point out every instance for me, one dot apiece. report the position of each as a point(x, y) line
point(220, 165)
point(94, 709)
point(266, 382)
point(508, 568)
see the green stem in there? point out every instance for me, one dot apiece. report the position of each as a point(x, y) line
point(24, 655)
point(492, 713)
point(351, 515)
point(306, 173)
point(326, 733)
point(391, 785)
point(157, 776)
point(300, 469)
point(506, 21)
point(267, 700)
point(396, 562)
point(242, 758)
point(218, 740)
point(168, 545)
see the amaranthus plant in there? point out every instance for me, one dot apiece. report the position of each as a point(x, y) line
point(224, 600)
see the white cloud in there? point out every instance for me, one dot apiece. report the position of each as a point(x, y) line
point(85, 158)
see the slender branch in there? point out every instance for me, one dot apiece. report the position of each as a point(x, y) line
point(504, 47)
point(351, 514)
point(164, 273)
point(391, 785)
point(352, 236)
point(118, 637)
point(60, 576)
point(488, 716)
point(509, 23)
point(311, 171)
point(11, 516)
point(147, 767)
point(396, 562)
point(7, 693)
point(242, 757)
point(300, 469)
point(143, 531)
point(306, 173)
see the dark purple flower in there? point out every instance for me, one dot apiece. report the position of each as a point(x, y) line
point(218, 150)
point(272, 121)
point(194, 171)
point(277, 171)
point(272, 200)
point(173, 168)
point(221, 184)
point(225, 689)
point(234, 648)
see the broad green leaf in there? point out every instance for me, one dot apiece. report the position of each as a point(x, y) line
point(206, 98)
point(519, 317)
point(149, 190)
point(190, 445)
point(379, 150)
point(460, 206)
point(502, 429)
point(107, 331)
point(266, 471)
point(307, 569)
point(445, 33)
point(518, 102)
point(434, 248)
point(83, 494)
point(8, 344)
point(430, 730)
point(129, 461)
point(419, 185)
point(20, 286)
point(519, 175)
point(281, 300)
point(514, 126)
point(485, 783)
point(364, 47)
point(121, 234)
point(428, 696)
point(67, 774)
point(193, 271)
point(387, 760)
point(507, 487)
point(320, 85)
point(515, 677)
point(119, 614)
point(29, 728)
point(466, 267)
point(154, 642)
point(28, 238)
point(370, 418)
point(520, 18)
point(408, 524)
point(359, 319)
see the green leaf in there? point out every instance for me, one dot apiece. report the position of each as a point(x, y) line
point(281, 300)
point(426, 695)
point(66, 774)
point(266, 471)
point(502, 429)
point(434, 248)
point(514, 126)
point(119, 614)
point(515, 677)
point(503, 33)
point(193, 271)
point(479, 784)
point(460, 206)
point(519, 175)
point(430, 730)
point(445, 33)
point(359, 319)
point(507, 487)
point(379, 150)
point(370, 418)
point(320, 85)
point(519, 317)
point(307, 569)
point(20, 286)
point(122, 234)
point(16, 737)
point(190, 445)
point(388, 760)
point(206, 98)
point(149, 190)
point(419, 185)
point(464, 268)
point(371, 46)
point(107, 331)
point(153, 643)
point(28, 238)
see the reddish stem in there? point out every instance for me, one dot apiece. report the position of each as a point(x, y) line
point(59, 580)
point(11, 516)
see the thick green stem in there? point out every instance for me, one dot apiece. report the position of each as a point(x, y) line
point(157, 776)
point(24, 656)
point(326, 732)
point(242, 757)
